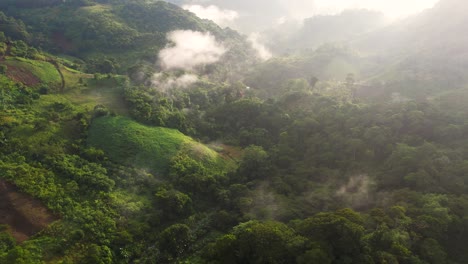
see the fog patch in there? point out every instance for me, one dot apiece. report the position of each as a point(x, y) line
point(265, 205)
point(398, 98)
point(164, 82)
point(190, 49)
point(356, 192)
point(222, 17)
point(262, 52)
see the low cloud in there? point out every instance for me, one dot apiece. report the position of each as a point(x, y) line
point(222, 17)
point(190, 49)
point(262, 52)
point(356, 193)
point(164, 82)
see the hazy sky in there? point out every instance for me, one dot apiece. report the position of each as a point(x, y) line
point(392, 8)
point(254, 14)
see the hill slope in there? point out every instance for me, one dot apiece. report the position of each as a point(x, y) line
point(122, 32)
point(128, 142)
point(425, 54)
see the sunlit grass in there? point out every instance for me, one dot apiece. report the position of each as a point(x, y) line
point(126, 141)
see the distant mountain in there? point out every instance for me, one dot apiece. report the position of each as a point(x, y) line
point(442, 27)
point(323, 29)
point(420, 57)
point(319, 30)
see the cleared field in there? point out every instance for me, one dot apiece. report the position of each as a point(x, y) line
point(129, 142)
point(33, 72)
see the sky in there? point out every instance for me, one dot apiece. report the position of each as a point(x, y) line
point(254, 15)
point(391, 8)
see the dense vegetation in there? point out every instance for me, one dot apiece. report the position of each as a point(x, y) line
point(111, 36)
point(303, 167)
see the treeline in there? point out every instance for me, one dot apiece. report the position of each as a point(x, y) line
point(404, 159)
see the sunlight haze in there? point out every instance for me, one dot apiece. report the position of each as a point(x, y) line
point(392, 9)
point(248, 16)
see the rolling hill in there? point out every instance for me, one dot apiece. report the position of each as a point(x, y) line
point(125, 32)
point(423, 55)
point(128, 142)
point(350, 152)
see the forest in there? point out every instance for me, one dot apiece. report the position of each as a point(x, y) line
point(137, 132)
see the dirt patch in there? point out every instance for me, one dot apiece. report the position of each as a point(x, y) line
point(22, 75)
point(226, 151)
point(24, 215)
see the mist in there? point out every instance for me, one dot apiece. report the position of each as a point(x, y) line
point(215, 131)
point(165, 82)
point(356, 192)
point(189, 49)
point(262, 51)
point(259, 15)
point(222, 17)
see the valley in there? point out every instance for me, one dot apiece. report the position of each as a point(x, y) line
point(151, 132)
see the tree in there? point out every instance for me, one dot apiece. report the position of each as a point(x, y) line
point(2, 37)
point(173, 203)
point(3, 69)
point(174, 242)
point(7, 242)
point(340, 233)
point(96, 254)
point(432, 252)
point(255, 164)
point(257, 242)
point(313, 81)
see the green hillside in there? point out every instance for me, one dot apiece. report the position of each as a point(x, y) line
point(328, 63)
point(128, 31)
point(337, 155)
point(128, 142)
point(33, 72)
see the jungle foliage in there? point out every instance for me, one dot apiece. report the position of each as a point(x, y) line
point(297, 169)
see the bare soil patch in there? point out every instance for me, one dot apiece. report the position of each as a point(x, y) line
point(22, 75)
point(24, 215)
point(228, 152)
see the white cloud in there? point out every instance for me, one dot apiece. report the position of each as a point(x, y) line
point(262, 52)
point(189, 50)
point(222, 17)
point(281, 20)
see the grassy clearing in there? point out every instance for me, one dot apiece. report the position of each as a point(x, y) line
point(129, 142)
point(91, 92)
point(73, 78)
point(97, 8)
